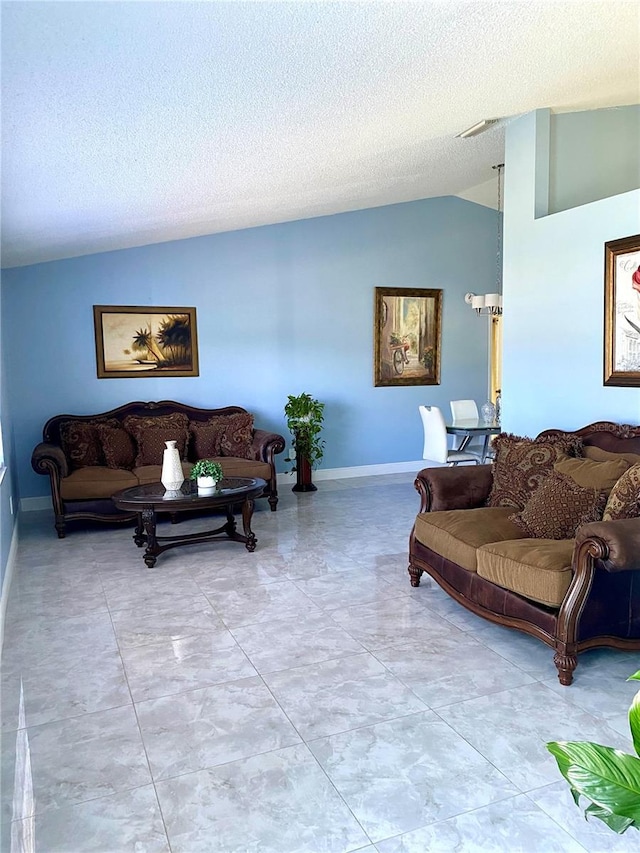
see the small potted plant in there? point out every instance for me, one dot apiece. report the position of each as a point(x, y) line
point(304, 419)
point(207, 475)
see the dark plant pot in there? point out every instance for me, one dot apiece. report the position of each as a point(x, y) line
point(303, 476)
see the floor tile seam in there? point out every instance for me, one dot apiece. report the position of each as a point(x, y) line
point(30, 726)
point(369, 725)
point(480, 753)
point(441, 820)
point(313, 663)
point(509, 660)
point(135, 608)
point(552, 818)
point(255, 674)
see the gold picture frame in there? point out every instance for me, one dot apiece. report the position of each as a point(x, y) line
point(135, 341)
point(407, 330)
point(622, 312)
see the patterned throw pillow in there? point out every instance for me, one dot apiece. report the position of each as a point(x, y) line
point(624, 500)
point(207, 437)
point(80, 442)
point(151, 445)
point(237, 436)
point(176, 426)
point(117, 446)
point(522, 463)
point(558, 507)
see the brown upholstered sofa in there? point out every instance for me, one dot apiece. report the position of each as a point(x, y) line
point(573, 594)
point(90, 457)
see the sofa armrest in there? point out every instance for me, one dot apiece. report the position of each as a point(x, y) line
point(49, 459)
point(616, 544)
point(265, 445)
point(458, 487)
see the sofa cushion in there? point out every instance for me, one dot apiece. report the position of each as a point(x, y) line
point(539, 569)
point(522, 463)
point(80, 442)
point(234, 467)
point(95, 481)
point(206, 437)
point(590, 451)
point(152, 444)
point(174, 426)
point(152, 473)
point(237, 436)
point(558, 507)
point(117, 445)
point(624, 499)
point(456, 533)
point(591, 474)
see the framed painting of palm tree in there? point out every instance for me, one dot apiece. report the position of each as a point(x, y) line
point(135, 340)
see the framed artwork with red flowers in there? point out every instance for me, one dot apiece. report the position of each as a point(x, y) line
point(406, 330)
point(622, 312)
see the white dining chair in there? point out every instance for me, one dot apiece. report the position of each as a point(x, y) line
point(435, 439)
point(467, 410)
point(464, 410)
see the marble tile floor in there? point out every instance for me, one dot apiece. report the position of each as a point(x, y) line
point(300, 699)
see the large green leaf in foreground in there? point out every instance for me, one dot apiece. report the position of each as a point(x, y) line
point(610, 779)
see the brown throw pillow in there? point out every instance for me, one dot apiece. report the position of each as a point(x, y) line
point(151, 445)
point(80, 442)
point(592, 475)
point(117, 446)
point(591, 451)
point(176, 426)
point(522, 463)
point(624, 500)
point(207, 437)
point(237, 436)
point(558, 507)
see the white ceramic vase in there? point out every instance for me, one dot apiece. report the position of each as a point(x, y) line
point(172, 476)
point(206, 485)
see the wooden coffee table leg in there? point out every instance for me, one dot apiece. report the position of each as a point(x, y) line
point(138, 536)
point(149, 524)
point(247, 512)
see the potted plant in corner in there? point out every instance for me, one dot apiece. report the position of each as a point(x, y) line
point(207, 475)
point(304, 420)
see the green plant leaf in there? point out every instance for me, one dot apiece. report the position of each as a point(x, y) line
point(606, 776)
point(615, 822)
point(634, 716)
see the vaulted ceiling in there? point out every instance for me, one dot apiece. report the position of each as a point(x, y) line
point(128, 123)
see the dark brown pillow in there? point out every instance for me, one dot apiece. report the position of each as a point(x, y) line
point(118, 448)
point(151, 445)
point(175, 426)
point(237, 436)
point(522, 463)
point(80, 442)
point(206, 437)
point(558, 507)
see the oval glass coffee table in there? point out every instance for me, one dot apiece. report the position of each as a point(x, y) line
point(148, 500)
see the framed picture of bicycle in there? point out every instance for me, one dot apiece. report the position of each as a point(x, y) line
point(133, 341)
point(407, 324)
point(622, 312)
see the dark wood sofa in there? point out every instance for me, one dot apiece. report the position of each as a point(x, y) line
point(82, 491)
point(601, 605)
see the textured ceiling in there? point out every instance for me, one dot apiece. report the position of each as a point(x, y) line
point(127, 123)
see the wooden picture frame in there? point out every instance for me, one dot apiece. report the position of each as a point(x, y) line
point(407, 329)
point(136, 341)
point(622, 312)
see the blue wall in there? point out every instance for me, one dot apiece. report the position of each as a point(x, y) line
point(8, 485)
point(554, 293)
point(281, 310)
point(593, 155)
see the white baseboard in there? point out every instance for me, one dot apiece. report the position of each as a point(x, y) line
point(33, 504)
point(361, 471)
point(8, 577)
